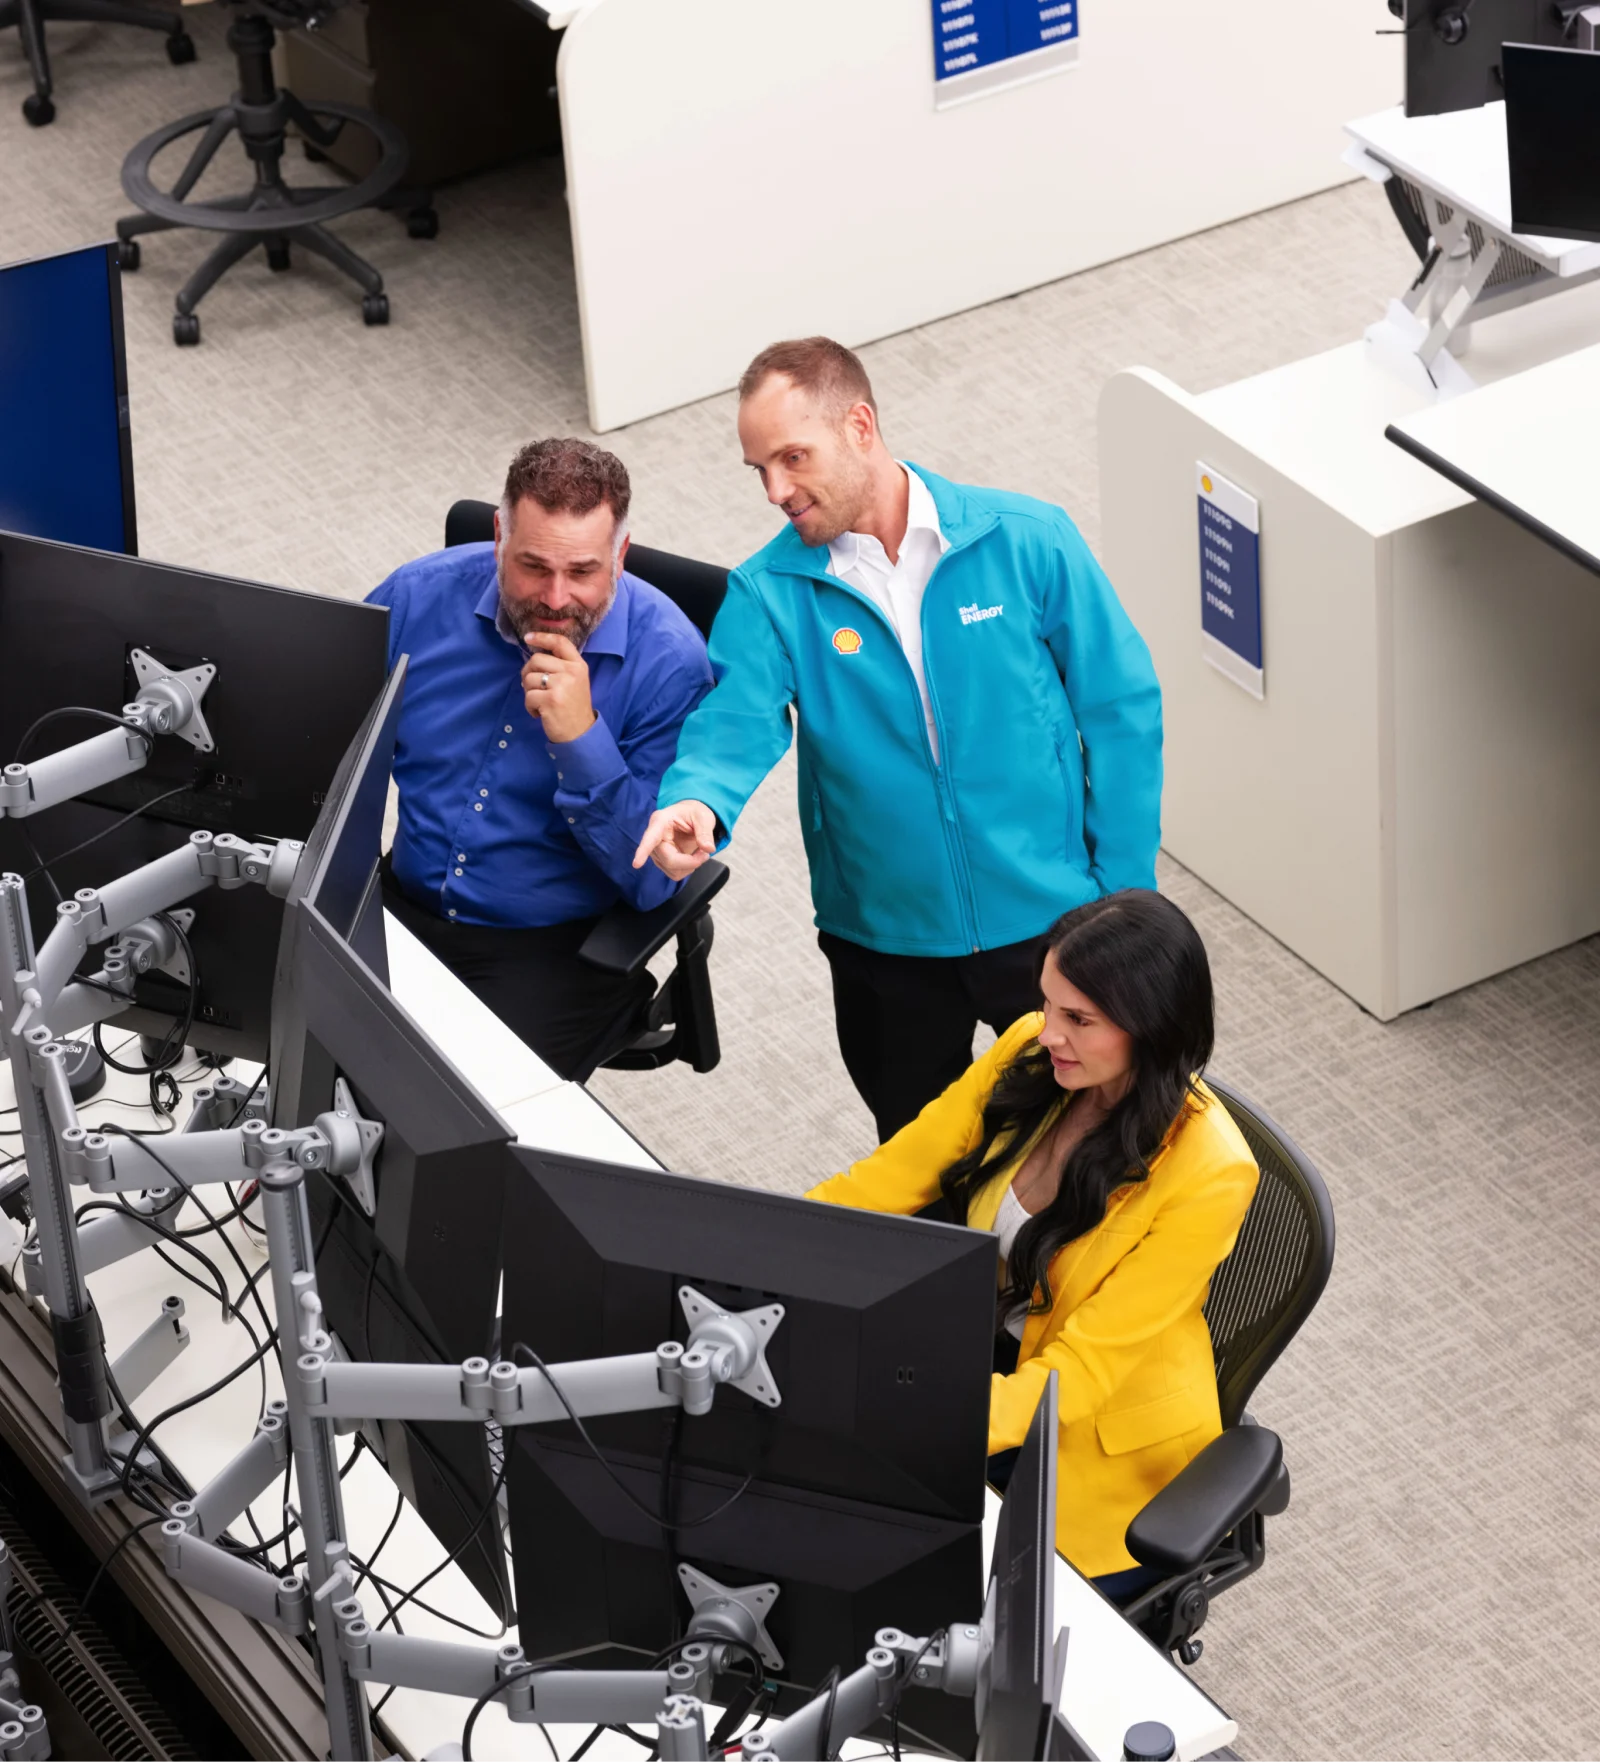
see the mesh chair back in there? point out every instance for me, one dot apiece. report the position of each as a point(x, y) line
point(1271, 1281)
point(695, 588)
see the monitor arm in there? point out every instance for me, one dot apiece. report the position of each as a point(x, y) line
point(22, 1727)
point(32, 986)
point(168, 702)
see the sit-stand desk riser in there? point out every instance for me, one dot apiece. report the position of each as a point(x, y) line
point(1458, 165)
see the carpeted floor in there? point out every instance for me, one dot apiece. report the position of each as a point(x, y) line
point(1428, 1593)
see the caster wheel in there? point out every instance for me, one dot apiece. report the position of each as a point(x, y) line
point(374, 308)
point(180, 48)
point(128, 255)
point(186, 329)
point(38, 110)
point(278, 255)
point(423, 223)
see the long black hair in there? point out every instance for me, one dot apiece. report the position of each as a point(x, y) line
point(1142, 963)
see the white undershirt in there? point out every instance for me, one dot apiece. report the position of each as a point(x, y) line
point(897, 588)
point(1008, 1224)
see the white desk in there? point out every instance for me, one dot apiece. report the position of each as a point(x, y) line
point(1459, 165)
point(1114, 1676)
point(1414, 805)
point(1526, 446)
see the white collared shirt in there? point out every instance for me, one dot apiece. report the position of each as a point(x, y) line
point(897, 588)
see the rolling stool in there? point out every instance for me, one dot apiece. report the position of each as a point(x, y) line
point(31, 16)
point(271, 214)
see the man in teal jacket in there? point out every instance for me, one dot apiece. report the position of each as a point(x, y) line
point(980, 725)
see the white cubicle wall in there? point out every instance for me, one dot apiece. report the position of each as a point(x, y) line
point(743, 170)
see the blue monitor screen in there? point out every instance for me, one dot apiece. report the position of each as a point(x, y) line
point(65, 469)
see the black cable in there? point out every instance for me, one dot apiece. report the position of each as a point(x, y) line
point(399, 1506)
point(83, 710)
point(627, 1492)
point(141, 1437)
point(42, 864)
point(825, 1734)
point(227, 1241)
point(483, 1700)
point(94, 1583)
point(904, 1683)
point(490, 1505)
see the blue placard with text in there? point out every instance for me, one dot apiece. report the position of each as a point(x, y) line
point(1230, 580)
point(973, 34)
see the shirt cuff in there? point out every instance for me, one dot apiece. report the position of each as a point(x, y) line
point(584, 764)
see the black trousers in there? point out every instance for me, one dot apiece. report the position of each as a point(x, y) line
point(573, 1015)
point(905, 1022)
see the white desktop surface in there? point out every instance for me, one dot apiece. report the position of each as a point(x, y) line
point(1114, 1677)
point(1462, 157)
point(1529, 440)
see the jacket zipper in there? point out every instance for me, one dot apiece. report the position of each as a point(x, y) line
point(952, 837)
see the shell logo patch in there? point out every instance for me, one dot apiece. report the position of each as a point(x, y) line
point(847, 641)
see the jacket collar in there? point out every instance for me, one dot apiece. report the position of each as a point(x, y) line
point(609, 637)
point(959, 522)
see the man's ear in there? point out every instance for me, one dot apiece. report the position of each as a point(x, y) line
point(622, 553)
point(497, 529)
point(861, 424)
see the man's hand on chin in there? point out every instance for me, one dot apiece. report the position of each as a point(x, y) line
point(555, 687)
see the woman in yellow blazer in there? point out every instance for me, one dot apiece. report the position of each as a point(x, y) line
point(1116, 1183)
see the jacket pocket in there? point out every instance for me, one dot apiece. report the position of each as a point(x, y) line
point(1133, 1428)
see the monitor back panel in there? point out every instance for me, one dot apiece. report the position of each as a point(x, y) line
point(297, 674)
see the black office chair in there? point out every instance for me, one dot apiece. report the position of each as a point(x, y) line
point(31, 16)
point(271, 213)
point(680, 1020)
point(1206, 1530)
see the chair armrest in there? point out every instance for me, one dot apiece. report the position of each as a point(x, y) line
point(1223, 1485)
point(625, 940)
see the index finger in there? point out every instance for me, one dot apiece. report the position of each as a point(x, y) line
point(653, 834)
point(552, 642)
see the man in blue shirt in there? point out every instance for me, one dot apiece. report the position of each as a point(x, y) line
point(979, 725)
point(543, 700)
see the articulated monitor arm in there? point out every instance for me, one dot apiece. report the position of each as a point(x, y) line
point(126, 908)
point(167, 703)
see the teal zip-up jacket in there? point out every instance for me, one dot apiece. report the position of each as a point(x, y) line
point(1027, 652)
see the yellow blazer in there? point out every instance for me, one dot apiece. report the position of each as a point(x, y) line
point(1137, 1382)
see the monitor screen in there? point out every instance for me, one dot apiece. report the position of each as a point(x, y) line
point(66, 462)
point(860, 1495)
point(1018, 1695)
point(418, 1281)
point(1553, 140)
point(296, 676)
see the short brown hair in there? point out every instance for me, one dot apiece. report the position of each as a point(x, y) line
point(828, 370)
point(569, 477)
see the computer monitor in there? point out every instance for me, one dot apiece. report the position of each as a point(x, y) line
point(66, 461)
point(296, 675)
point(418, 1281)
point(1553, 140)
point(339, 871)
point(1017, 1693)
point(1453, 59)
point(862, 1491)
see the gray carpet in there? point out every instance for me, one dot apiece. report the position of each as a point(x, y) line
point(1429, 1591)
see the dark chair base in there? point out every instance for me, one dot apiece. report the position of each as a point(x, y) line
point(272, 214)
point(31, 16)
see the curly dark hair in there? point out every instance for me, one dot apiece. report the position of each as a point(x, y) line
point(568, 476)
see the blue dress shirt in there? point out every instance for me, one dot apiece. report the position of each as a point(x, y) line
point(499, 825)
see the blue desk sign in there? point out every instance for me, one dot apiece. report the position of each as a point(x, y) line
point(1230, 580)
point(981, 45)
